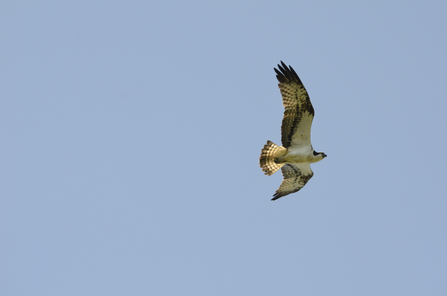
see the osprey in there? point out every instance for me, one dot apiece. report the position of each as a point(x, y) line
point(296, 153)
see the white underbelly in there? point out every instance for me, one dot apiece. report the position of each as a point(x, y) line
point(298, 158)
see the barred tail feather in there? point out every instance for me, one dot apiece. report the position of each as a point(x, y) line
point(268, 155)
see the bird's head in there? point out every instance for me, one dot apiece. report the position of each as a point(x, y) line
point(320, 154)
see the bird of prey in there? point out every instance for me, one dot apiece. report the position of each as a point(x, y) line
point(296, 153)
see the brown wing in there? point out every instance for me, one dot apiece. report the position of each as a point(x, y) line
point(299, 113)
point(295, 177)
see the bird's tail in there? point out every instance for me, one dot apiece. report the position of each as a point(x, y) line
point(268, 155)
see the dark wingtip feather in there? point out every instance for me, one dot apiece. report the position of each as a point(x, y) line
point(276, 196)
point(286, 74)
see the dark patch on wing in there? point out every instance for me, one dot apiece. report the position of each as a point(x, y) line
point(293, 181)
point(295, 102)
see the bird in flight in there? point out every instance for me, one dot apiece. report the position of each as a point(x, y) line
point(296, 153)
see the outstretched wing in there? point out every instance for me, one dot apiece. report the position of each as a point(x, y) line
point(299, 113)
point(295, 177)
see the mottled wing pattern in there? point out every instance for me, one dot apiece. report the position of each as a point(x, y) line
point(295, 177)
point(299, 113)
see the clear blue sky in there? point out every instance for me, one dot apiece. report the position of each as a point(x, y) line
point(131, 133)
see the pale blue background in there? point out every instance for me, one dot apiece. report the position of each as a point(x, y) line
point(131, 132)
